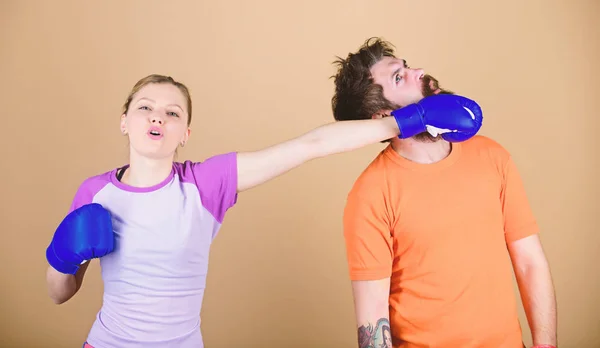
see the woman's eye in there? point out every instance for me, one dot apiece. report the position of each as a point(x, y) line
point(398, 78)
point(173, 114)
point(144, 108)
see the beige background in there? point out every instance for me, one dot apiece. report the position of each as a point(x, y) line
point(259, 74)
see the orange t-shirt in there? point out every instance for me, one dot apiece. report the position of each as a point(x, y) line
point(439, 231)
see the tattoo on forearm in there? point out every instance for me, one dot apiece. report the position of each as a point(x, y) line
point(378, 336)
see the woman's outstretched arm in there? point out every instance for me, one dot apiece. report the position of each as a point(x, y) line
point(258, 167)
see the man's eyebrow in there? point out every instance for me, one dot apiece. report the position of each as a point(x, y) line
point(392, 62)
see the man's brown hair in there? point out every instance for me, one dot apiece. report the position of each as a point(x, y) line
point(356, 96)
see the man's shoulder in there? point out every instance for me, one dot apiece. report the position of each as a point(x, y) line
point(481, 144)
point(373, 176)
point(483, 141)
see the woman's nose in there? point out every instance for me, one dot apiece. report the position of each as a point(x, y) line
point(156, 120)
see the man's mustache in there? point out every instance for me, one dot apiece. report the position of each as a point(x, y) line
point(431, 86)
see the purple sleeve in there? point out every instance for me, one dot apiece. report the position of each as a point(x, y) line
point(216, 180)
point(88, 189)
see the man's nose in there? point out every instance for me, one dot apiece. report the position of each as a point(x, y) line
point(418, 73)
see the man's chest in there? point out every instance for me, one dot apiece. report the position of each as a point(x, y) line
point(441, 210)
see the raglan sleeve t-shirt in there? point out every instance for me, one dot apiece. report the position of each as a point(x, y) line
point(214, 179)
point(154, 280)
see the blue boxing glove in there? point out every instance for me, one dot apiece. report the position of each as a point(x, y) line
point(456, 118)
point(84, 234)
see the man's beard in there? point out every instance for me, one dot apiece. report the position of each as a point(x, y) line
point(429, 88)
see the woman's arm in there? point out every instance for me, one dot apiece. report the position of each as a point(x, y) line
point(258, 167)
point(62, 287)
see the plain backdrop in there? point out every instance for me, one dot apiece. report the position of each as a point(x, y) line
point(259, 72)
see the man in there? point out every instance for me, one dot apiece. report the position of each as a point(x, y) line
point(432, 227)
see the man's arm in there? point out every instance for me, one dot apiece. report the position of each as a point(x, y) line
point(529, 262)
point(372, 313)
point(369, 251)
point(258, 167)
point(537, 290)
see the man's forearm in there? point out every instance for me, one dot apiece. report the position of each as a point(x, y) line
point(375, 335)
point(372, 313)
point(539, 303)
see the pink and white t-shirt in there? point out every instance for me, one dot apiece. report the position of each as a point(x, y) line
point(154, 280)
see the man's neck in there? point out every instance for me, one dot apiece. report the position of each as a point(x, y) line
point(422, 152)
point(146, 172)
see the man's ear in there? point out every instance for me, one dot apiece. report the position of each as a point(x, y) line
point(123, 125)
point(381, 114)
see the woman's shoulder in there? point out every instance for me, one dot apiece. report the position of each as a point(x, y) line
point(90, 187)
point(97, 180)
point(223, 159)
point(212, 167)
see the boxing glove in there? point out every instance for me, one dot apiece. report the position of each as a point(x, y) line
point(455, 117)
point(84, 234)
